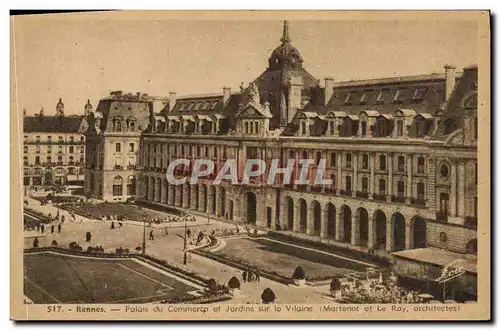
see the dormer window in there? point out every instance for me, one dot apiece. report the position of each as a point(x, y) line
point(303, 127)
point(348, 99)
point(419, 94)
point(398, 97)
point(364, 98)
point(380, 97)
point(332, 128)
point(399, 128)
point(213, 105)
point(363, 128)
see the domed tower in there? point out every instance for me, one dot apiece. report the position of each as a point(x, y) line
point(60, 108)
point(87, 108)
point(285, 55)
point(285, 84)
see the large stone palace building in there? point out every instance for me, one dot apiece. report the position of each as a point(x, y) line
point(401, 153)
point(54, 148)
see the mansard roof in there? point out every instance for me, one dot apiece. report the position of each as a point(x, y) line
point(51, 124)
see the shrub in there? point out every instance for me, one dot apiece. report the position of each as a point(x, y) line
point(54, 243)
point(299, 273)
point(267, 296)
point(234, 283)
point(335, 285)
point(212, 285)
point(73, 245)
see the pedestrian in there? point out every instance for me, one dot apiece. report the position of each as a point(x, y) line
point(112, 225)
point(244, 276)
point(62, 219)
point(42, 227)
point(249, 276)
point(151, 237)
point(257, 277)
point(188, 232)
point(38, 226)
point(166, 231)
point(120, 224)
point(35, 242)
point(52, 229)
point(59, 228)
point(88, 236)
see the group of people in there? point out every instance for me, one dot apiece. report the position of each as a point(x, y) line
point(378, 291)
point(41, 227)
point(249, 276)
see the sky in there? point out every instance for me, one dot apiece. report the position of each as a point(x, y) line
point(80, 58)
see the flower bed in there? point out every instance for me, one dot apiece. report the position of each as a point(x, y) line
point(43, 218)
point(161, 208)
point(343, 251)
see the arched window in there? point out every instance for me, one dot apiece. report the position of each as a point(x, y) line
point(117, 186)
point(131, 185)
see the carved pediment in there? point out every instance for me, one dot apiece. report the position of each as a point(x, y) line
point(252, 110)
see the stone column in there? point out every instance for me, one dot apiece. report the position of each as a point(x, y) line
point(408, 237)
point(409, 183)
point(178, 201)
point(339, 232)
point(461, 189)
point(324, 224)
point(171, 194)
point(389, 179)
point(354, 173)
point(185, 199)
point(296, 219)
point(388, 236)
point(355, 230)
point(310, 221)
point(372, 175)
point(194, 198)
point(201, 198)
point(371, 233)
point(217, 202)
point(209, 200)
point(453, 190)
point(339, 172)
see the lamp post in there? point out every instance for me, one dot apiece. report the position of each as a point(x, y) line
point(185, 240)
point(144, 236)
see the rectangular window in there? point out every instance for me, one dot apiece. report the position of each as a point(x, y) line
point(82, 149)
point(118, 147)
point(398, 97)
point(381, 187)
point(364, 98)
point(60, 150)
point(401, 189)
point(348, 160)
point(348, 183)
point(380, 97)
point(332, 128)
point(333, 159)
point(215, 152)
point(419, 94)
point(49, 139)
point(420, 191)
point(38, 139)
point(364, 185)
point(60, 139)
point(131, 147)
point(37, 149)
point(364, 162)
point(71, 139)
point(401, 163)
point(206, 152)
point(348, 99)
point(25, 149)
point(318, 157)
point(303, 127)
point(421, 164)
point(117, 190)
point(71, 149)
point(363, 128)
point(382, 162)
point(399, 128)
point(37, 160)
point(198, 151)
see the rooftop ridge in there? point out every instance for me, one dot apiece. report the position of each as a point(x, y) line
point(422, 77)
point(193, 96)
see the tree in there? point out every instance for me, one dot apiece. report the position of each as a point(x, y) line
point(267, 296)
point(335, 285)
point(212, 285)
point(234, 283)
point(299, 273)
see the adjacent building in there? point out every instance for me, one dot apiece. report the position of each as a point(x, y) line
point(401, 153)
point(54, 148)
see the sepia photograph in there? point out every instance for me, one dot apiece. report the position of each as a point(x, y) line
point(250, 165)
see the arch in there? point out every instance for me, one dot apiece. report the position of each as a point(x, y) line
point(251, 207)
point(196, 197)
point(289, 212)
point(331, 221)
point(471, 246)
point(419, 232)
point(302, 216)
point(345, 215)
point(398, 231)
point(316, 218)
point(361, 227)
point(380, 221)
point(146, 186)
point(231, 210)
point(222, 196)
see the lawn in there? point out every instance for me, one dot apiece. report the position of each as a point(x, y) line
point(56, 278)
point(283, 258)
point(96, 211)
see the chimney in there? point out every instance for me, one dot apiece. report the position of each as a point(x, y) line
point(172, 99)
point(24, 112)
point(449, 76)
point(329, 81)
point(226, 94)
point(294, 100)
